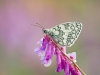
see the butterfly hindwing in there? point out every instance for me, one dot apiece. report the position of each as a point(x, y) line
point(66, 33)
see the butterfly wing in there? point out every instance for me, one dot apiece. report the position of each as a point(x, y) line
point(66, 33)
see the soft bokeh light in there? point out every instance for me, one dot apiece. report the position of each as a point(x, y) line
point(18, 37)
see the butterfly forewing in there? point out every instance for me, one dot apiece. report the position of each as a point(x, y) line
point(66, 34)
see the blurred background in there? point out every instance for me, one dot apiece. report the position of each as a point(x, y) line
point(18, 37)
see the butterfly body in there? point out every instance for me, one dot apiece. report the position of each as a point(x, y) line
point(65, 34)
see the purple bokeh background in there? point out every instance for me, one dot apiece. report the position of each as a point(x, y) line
point(18, 37)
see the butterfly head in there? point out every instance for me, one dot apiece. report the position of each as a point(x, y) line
point(45, 31)
point(48, 31)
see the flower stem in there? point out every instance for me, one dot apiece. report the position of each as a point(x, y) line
point(67, 56)
point(74, 64)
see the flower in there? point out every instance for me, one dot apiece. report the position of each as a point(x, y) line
point(64, 61)
point(72, 56)
point(45, 51)
point(67, 66)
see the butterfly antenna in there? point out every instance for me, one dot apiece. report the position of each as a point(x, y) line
point(38, 25)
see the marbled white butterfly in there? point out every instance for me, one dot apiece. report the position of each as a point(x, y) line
point(65, 34)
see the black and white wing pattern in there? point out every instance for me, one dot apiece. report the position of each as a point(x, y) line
point(67, 33)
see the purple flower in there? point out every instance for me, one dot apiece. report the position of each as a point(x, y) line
point(45, 51)
point(72, 56)
point(49, 48)
point(64, 64)
point(74, 70)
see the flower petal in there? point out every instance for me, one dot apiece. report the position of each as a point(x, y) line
point(37, 51)
point(65, 66)
point(48, 54)
point(40, 42)
point(72, 56)
point(46, 60)
point(48, 64)
point(58, 60)
point(64, 48)
point(66, 70)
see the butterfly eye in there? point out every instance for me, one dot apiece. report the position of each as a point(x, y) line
point(44, 31)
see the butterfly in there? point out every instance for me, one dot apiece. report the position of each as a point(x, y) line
point(65, 34)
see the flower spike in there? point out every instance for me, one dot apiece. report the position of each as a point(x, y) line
point(64, 61)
